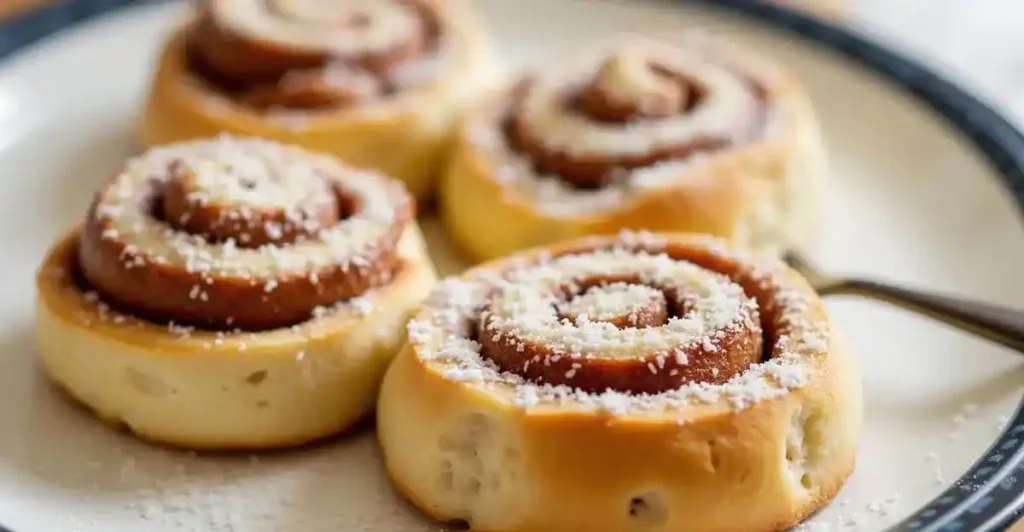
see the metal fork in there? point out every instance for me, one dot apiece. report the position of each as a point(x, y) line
point(998, 324)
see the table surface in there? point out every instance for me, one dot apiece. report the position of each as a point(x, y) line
point(982, 48)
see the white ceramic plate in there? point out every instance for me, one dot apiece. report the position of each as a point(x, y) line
point(911, 200)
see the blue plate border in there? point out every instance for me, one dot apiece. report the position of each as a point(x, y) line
point(989, 497)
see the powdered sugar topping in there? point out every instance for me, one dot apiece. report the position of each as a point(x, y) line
point(728, 103)
point(123, 208)
point(727, 114)
point(524, 305)
point(442, 331)
point(375, 26)
point(604, 303)
point(250, 182)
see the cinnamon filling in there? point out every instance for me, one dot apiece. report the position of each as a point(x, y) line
point(186, 206)
point(632, 93)
point(633, 333)
point(239, 243)
point(303, 54)
point(661, 93)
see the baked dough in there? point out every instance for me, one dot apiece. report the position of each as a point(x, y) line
point(212, 300)
point(560, 437)
point(381, 88)
point(683, 133)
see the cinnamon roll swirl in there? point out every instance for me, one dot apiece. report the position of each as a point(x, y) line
point(376, 83)
point(687, 133)
point(631, 382)
point(232, 293)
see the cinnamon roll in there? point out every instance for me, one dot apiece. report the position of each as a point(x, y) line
point(232, 293)
point(632, 382)
point(687, 134)
point(377, 83)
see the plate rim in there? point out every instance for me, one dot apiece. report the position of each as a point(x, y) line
point(988, 496)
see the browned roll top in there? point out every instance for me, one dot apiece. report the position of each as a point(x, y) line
point(645, 370)
point(242, 234)
point(629, 318)
point(305, 54)
point(634, 105)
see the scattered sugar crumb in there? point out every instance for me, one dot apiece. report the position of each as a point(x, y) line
point(521, 305)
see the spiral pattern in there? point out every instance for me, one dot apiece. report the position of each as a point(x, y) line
point(312, 54)
point(240, 233)
point(624, 318)
point(634, 114)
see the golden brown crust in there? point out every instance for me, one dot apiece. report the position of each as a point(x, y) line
point(404, 133)
point(489, 453)
point(181, 340)
point(200, 275)
point(754, 179)
point(193, 444)
point(210, 390)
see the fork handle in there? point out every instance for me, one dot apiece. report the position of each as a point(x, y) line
point(998, 324)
